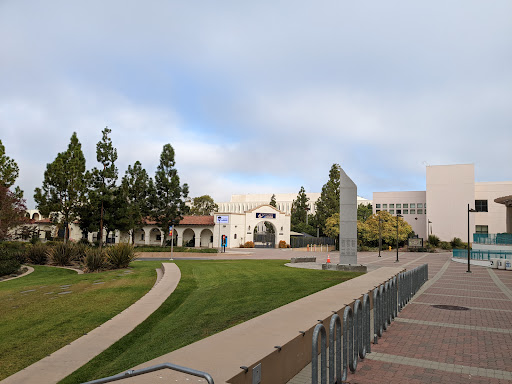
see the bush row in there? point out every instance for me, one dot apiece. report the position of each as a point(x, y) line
point(89, 258)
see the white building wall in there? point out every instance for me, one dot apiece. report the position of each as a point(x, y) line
point(496, 217)
point(408, 202)
point(450, 188)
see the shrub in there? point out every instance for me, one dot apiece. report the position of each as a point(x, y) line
point(433, 240)
point(84, 241)
point(38, 254)
point(445, 245)
point(249, 244)
point(120, 255)
point(9, 261)
point(62, 254)
point(94, 259)
point(282, 244)
point(458, 243)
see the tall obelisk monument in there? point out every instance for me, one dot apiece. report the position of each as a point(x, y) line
point(348, 220)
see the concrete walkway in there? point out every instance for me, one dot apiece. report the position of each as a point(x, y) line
point(66, 360)
point(438, 345)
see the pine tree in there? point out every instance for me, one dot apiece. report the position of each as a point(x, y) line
point(300, 214)
point(329, 202)
point(169, 197)
point(137, 186)
point(9, 170)
point(203, 206)
point(64, 189)
point(273, 202)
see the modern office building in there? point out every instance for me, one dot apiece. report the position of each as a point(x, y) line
point(442, 209)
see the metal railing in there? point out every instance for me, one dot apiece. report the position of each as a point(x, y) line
point(388, 300)
point(480, 254)
point(493, 238)
point(158, 367)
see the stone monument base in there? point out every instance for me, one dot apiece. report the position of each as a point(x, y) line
point(345, 267)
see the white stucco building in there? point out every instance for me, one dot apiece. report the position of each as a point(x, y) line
point(192, 231)
point(442, 209)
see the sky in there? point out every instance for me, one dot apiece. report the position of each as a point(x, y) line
point(261, 96)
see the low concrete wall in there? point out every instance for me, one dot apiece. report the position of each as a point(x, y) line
point(254, 341)
point(303, 260)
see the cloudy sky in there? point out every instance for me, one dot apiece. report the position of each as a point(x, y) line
point(261, 96)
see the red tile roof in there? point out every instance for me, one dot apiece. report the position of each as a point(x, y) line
point(197, 220)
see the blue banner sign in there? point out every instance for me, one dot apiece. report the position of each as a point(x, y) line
point(265, 215)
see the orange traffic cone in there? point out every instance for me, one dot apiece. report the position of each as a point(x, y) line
point(328, 258)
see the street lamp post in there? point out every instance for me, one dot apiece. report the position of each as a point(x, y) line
point(397, 216)
point(380, 235)
point(469, 248)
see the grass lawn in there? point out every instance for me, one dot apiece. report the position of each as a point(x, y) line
point(211, 296)
point(42, 312)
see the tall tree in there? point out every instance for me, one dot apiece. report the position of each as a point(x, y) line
point(9, 170)
point(203, 206)
point(138, 188)
point(104, 182)
point(12, 211)
point(329, 202)
point(300, 208)
point(64, 188)
point(169, 199)
point(273, 202)
point(364, 211)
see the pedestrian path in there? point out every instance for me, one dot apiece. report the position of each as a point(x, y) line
point(66, 360)
point(457, 329)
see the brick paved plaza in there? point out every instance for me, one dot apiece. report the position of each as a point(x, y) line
point(429, 345)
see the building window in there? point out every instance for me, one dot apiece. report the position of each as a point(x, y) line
point(413, 205)
point(481, 206)
point(412, 211)
point(406, 205)
point(158, 237)
point(384, 205)
point(391, 205)
point(235, 236)
point(399, 205)
point(420, 205)
point(392, 211)
point(482, 228)
point(406, 211)
point(377, 210)
point(377, 205)
point(142, 236)
point(425, 205)
point(420, 211)
point(398, 211)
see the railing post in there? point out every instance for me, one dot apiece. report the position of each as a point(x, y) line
point(319, 331)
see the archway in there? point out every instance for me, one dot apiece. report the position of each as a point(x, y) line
point(264, 235)
point(155, 237)
point(35, 216)
point(206, 238)
point(189, 238)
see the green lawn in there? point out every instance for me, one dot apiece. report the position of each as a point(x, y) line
point(211, 296)
point(37, 316)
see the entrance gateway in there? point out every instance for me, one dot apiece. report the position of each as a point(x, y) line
point(264, 225)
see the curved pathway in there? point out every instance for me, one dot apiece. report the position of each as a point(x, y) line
point(66, 360)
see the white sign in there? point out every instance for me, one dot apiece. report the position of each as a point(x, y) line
point(222, 219)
